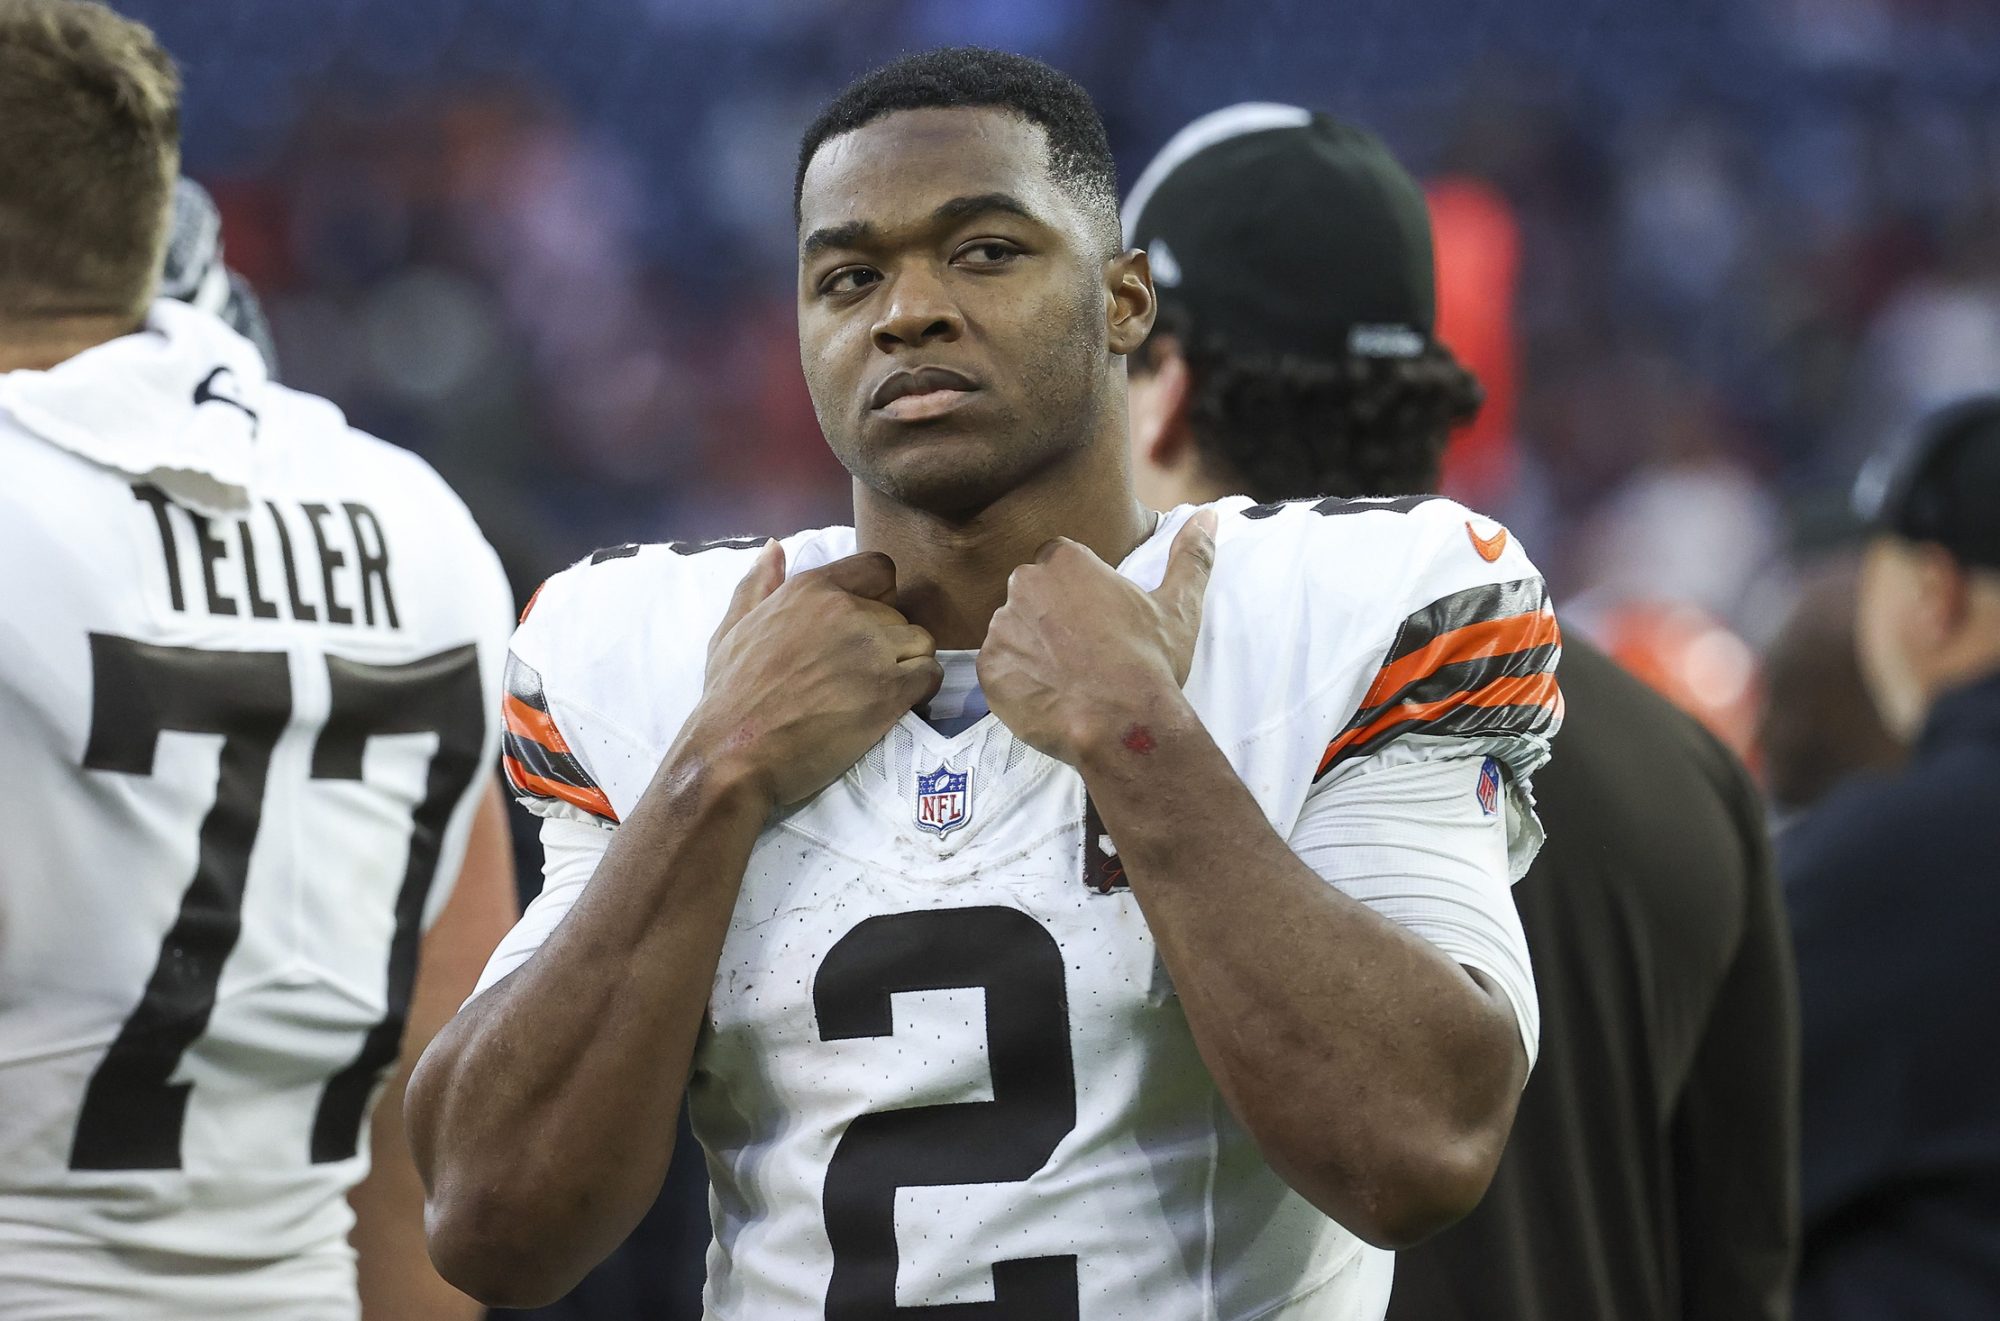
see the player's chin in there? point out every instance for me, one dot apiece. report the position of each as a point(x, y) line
point(945, 473)
point(966, 435)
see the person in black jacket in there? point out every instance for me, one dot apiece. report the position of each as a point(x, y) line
point(1894, 886)
point(1651, 1174)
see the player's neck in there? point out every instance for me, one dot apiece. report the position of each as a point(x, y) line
point(38, 342)
point(1198, 491)
point(951, 575)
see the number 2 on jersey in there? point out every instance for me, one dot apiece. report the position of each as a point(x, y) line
point(132, 1111)
point(1017, 963)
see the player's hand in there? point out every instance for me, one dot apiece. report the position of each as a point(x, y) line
point(804, 676)
point(1079, 655)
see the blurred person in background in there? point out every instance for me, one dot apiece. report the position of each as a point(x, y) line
point(1892, 885)
point(1818, 725)
point(1650, 1174)
point(250, 666)
point(1031, 937)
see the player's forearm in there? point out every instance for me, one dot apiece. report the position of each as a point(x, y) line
point(542, 1118)
point(1376, 1076)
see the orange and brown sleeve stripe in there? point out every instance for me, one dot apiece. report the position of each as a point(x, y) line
point(536, 757)
point(1477, 664)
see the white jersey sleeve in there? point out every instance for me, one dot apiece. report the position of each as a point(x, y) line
point(1381, 674)
point(1337, 630)
point(551, 739)
point(1404, 698)
point(1467, 662)
point(573, 843)
point(584, 648)
point(1423, 842)
point(606, 665)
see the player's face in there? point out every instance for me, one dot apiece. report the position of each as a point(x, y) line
point(956, 315)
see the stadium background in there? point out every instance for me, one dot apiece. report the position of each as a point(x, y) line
point(1706, 254)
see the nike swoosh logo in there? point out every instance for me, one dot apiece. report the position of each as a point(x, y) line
point(1489, 548)
point(205, 393)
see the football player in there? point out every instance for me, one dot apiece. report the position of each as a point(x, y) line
point(1049, 909)
point(249, 662)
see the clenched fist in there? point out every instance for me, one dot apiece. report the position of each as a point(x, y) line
point(804, 676)
point(1079, 655)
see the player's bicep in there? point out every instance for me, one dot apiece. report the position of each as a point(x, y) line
point(1422, 836)
point(573, 843)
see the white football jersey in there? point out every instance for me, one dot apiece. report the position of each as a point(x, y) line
point(943, 1062)
point(248, 744)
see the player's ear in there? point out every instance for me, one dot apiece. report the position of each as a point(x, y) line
point(1130, 304)
point(1943, 593)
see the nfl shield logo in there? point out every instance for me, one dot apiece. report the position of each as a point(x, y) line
point(1489, 787)
point(944, 799)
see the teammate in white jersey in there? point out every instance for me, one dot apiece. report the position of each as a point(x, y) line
point(1041, 922)
point(248, 665)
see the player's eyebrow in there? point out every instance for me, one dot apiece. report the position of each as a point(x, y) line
point(964, 208)
point(849, 235)
point(858, 232)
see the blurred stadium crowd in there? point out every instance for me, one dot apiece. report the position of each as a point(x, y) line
point(547, 244)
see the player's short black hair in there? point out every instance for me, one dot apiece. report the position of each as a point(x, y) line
point(1284, 426)
point(972, 77)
